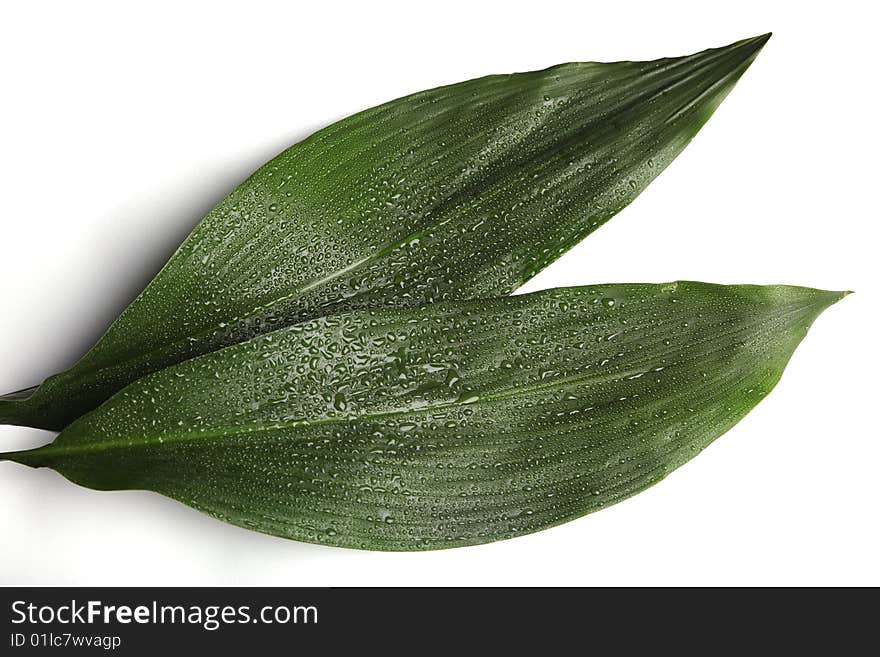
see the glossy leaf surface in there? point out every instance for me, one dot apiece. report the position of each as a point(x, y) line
point(453, 424)
point(454, 193)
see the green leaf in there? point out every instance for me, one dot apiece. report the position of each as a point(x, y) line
point(452, 424)
point(459, 192)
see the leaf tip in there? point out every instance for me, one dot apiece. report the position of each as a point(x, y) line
point(818, 301)
point(832, 297)
point(747, 49)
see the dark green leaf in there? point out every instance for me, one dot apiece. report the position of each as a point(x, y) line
point(458, 192)
point(453, 424)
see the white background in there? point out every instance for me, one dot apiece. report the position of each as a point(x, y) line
point(120, 127)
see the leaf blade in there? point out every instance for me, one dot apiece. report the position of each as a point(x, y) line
point(458, 192)
point(478, 421)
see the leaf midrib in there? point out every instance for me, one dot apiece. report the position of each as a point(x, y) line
point(244, 430)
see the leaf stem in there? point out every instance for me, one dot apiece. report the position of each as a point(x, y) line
point(13, 411)
point(30, 457)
